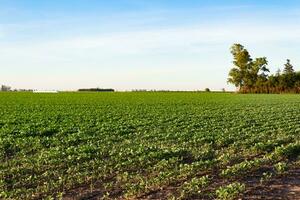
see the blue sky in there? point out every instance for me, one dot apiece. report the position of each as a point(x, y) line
point(140, 44)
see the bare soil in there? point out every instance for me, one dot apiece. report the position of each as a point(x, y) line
point(285, 187)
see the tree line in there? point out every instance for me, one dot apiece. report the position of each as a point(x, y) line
point(96, 90)
point(252, 75)
point(5, 88)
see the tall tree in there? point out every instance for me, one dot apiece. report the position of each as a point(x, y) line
point(258, 71)
point(241, 61)
point(246, 73)
point(288, 76)
point(251, 76)
point(288, 67)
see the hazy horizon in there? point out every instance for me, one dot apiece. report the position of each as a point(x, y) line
point(139, 44)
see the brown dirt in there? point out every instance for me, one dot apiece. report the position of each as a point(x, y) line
point(286, 186)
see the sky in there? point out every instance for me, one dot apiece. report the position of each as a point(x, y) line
point(140, 44)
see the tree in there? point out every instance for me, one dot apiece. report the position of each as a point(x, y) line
point(207, 90)
point(288, 76)
point(246, 73)
point(288, 67)
point(241, 61)
point(258, 72)
point(251, 76)
point(5, 88)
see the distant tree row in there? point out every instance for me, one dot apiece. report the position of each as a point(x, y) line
point(251, 76)
point(5, 88)
point(96, 90)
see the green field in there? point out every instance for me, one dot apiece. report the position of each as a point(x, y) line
point(144, 145)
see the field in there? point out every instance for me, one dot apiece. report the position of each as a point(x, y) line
point(176, 145)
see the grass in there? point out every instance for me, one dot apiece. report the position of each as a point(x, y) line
point(142, 145)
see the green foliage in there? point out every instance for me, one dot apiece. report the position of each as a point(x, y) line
point(136, 144)
point(280, 167)
point(251, 76)
point(292, 150)
point(266, 177)
point(288, 68)
point(231, 191)
point(193, 187)
point(246, 72)
point(242, 168)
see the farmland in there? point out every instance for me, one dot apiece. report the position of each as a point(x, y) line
point(173, 145)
